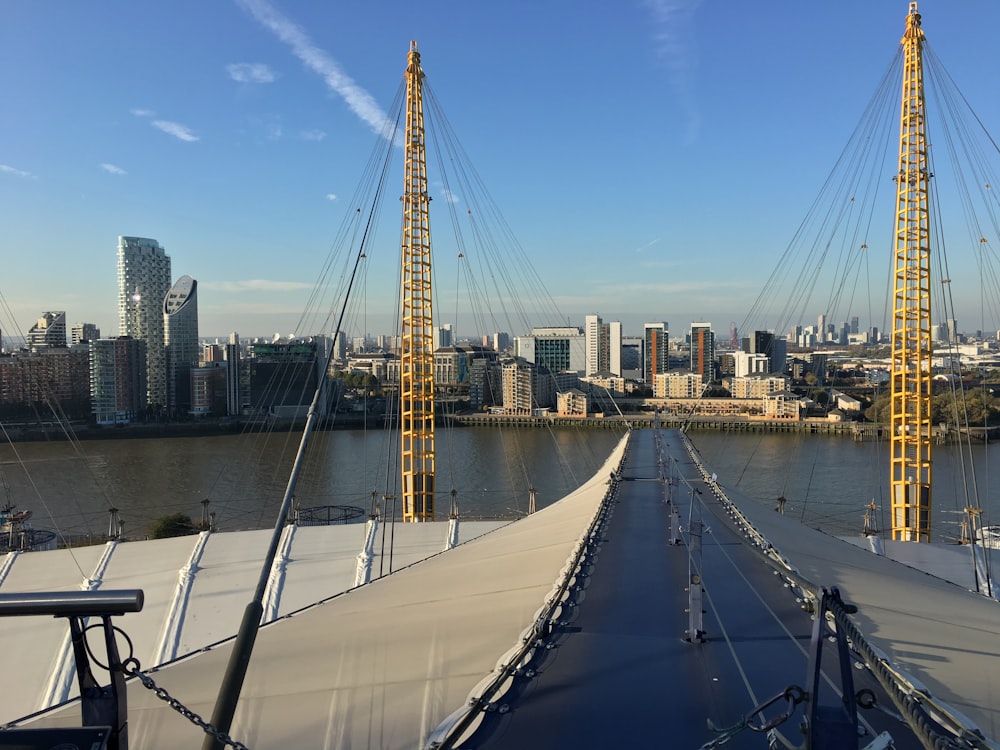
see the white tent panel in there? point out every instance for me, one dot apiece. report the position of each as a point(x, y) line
point(383, 664)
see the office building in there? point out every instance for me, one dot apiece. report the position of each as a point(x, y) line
point(632, 348)
point(557, 349)
point(143, 283)
point(769, 345)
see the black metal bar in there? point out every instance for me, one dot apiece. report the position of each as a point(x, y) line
point(101, 705)
point(72, 603)
point(830, 727)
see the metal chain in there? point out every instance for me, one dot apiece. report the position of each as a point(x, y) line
point(131, 668)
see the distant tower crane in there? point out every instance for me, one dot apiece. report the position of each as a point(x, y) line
point(910, 414)
point(416, 386)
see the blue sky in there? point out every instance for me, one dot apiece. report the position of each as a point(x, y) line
point(654, 157)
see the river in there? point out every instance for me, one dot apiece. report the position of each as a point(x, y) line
point(72, 487)
point(827, 481)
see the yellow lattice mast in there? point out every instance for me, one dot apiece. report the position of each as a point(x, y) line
point(416, 385)
point(911, 321)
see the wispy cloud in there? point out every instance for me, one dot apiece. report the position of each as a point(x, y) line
point(312, 135)
point(255, 285)
point(176, 129)
point(647, 245)
point(251, 73)
point(673, 22)
point(331, 196)
point(113, 169)
point(315, 59)
point(17, 172)
point(181, 132)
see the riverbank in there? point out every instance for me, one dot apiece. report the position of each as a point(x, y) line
point(858, 431)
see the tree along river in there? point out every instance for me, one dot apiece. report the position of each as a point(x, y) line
point(828, 481)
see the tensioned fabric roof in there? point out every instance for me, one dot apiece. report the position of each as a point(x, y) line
point(195, 587)
point(383, 664)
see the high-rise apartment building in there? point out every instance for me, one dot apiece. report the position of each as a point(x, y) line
point(655, 349)
point(703, 351)
point(118, 388)
point(604, 346)
point(143, 283)
point(234, 399)
point(49, 332)
point(180, 331)
point(80, 333)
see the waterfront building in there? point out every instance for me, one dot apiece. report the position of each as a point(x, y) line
point(118, 388)
point(656, 350)
point(180, 332)
point(604, 346)
point(58, 376)
point(703, 350)
point(555, 348)
point(143, 283)
point(234, 377)
point(452, 365)
point(209, 395)
point(526, 387)
point(84, 333)
point(612, 384)
point(485, 383)
point(572, 403)
point(678, 385)
point(757, 386)
point(783, 405)
point(48, 332)
point(283, 377)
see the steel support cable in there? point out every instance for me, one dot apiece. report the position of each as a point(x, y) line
point(38, 494)
point(239, 660)
point(963, 448)
point(449, 199)
point(774, 616)
point(909, 700)
point(486, 209)
point(775, 284)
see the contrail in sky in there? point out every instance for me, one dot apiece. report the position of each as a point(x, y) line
point(358, 100)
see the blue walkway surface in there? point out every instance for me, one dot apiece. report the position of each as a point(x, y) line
point(622, 668)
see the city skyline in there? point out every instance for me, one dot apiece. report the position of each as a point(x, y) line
point(240, 154)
